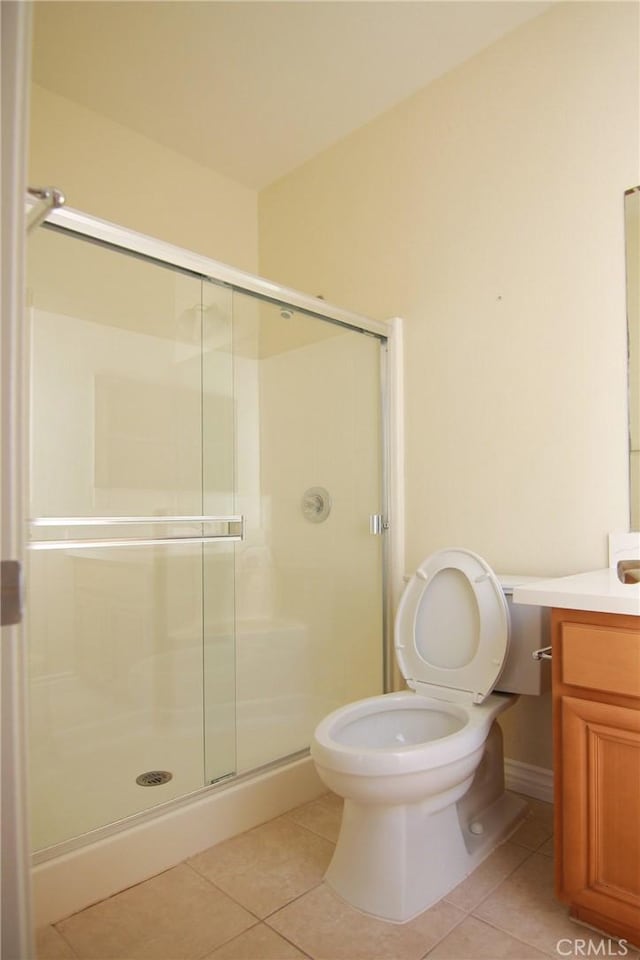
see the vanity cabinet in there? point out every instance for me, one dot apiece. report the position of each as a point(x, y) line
point(596, 702)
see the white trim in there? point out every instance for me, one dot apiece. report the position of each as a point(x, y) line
point(15, 920)
point(393, 442)
point(130, 240)
point(528, 779)
point(396, 458)
point(75, 880)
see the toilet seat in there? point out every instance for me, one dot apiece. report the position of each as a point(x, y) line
point(452, 628)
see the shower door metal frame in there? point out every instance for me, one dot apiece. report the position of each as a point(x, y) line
point(130, 241)
point(15, 887)
point(389, 333)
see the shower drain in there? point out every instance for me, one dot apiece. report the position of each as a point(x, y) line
point(153, 778)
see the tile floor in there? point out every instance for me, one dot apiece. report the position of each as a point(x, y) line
point(260, 896)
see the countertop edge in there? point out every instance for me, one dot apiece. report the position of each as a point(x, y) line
point(598, 591)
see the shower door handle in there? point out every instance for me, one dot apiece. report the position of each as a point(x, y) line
point(377, 524)
point(12, 593)
point(221, 528)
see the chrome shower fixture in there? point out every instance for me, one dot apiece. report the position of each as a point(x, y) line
point(49, 198)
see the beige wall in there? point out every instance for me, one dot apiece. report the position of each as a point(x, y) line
point(109, 171)
point(487, 210)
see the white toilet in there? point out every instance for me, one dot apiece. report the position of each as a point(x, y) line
point(421, 771)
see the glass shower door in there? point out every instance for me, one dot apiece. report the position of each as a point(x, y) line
point(309, 572)
point(131, 587)
point(205, 583)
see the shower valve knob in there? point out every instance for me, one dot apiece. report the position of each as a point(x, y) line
point(316, 504)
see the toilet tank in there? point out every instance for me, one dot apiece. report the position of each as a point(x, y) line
point(529, 632)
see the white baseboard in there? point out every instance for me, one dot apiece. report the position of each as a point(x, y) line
point(528, 779)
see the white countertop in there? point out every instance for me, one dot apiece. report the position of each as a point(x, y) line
point(598, 590)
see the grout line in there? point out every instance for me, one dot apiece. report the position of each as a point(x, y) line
point(508, 933)
point(314, 833)
point(279, 932)
point(495, 925)
point(224, 893)
point(525, 846)
point(223, 943)
point(62, 936)
point(536, 852)
point(310, 830)
point(450, 930)
point(495, 887)
point(289, 941)
point(258, 918)
point(293, 900)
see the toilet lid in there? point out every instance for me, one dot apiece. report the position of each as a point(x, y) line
point(452, 628)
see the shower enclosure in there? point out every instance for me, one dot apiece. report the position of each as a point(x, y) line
point(207, 509)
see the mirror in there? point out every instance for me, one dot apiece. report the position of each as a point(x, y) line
point(632, 235)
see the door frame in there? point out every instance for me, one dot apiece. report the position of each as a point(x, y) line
point(15, 922)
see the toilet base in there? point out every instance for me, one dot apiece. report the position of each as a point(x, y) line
point(394, 862)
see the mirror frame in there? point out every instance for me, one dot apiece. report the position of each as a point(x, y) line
point(632, 258)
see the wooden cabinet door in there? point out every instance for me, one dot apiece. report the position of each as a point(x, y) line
point(601, 809)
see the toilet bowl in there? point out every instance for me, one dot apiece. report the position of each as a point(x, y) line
point(421, 771)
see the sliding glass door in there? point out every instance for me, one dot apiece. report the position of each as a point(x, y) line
point(205, 579)
point(129, 457)
point(309, 592)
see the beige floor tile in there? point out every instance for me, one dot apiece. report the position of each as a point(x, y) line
point(487, 876)
point(258, 943)
point(177, 914)
point(537, 826)
point(525, 906)
point(540, 810)
point(322, 816)
point(547, 849)
point(326, 928)
point(50, 945)
point(475, 940)
point(267, 867)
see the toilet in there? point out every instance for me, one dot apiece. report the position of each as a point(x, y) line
point(421, 771)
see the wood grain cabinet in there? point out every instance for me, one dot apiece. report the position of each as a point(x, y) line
point(596, 701)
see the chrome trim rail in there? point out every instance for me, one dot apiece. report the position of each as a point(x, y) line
point(234, 531)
